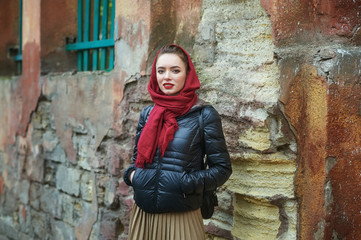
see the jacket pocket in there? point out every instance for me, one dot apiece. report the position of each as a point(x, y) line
point(144, 179)
point(186, 184)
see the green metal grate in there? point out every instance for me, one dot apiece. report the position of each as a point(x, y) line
point(19, 57)
point(95, 42)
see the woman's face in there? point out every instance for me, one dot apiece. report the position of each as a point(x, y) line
point(171, 73)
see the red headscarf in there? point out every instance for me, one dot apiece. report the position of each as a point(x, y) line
point(161, 125)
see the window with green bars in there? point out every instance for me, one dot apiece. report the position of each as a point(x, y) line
point(95, 39)
point(19, 57)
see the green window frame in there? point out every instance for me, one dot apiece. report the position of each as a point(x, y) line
point(95, 42)
point(19, 57)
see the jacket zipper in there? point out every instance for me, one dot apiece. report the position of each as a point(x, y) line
point(157, 181)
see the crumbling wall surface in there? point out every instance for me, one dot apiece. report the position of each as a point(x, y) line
point(58, 180)
point(64, 144)
point(60, 176)
point(311, 21)
point(319, 61)
point(234, 55)
point(321, 96)
point(344, 147)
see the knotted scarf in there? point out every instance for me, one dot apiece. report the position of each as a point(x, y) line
point(161, 125)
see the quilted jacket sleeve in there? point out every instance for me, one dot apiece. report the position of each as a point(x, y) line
point(219, 163)
point(142, 120)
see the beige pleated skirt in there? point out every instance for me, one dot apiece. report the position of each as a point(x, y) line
point(166, 226)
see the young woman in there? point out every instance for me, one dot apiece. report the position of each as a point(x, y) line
point(168, 174)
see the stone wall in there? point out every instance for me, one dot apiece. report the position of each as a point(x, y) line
point(60, 181)
point(79, 138)
point(318, 44)
point(65, 170)
point(289, 98)
point(234, 54)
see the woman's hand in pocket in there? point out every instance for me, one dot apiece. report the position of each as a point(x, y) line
point(131, 176)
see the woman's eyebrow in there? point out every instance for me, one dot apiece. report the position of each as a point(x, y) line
point(176, 66)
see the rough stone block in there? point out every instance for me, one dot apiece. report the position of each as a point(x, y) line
point(41, 120)
point(224, 200)
point(10, 202)
point(67, 208)
point(263, 175)
point(95, 233)
point(206, 32)
point(256, 115)
point(68, 180)
point(244, 47)
point(61, 230)
point(89, 215)
point(50, 173)
point(256, 138)
point(111, 226)
point(25, 219)
point(86, 186)
point(82, 144)
point(288, 229)
point(57, 154)
point(8, 228)
point(50, 201)
point(77, 211)
point(111, 198)
point(118, 153)
point(23, 190)
point(40, 224)
point(50, 141)
point(35, 192)
point(205, 54)
point(35, 164)
point(255, 219)
point(217, 230)
point(123, 188)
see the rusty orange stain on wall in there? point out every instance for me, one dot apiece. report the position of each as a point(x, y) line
point(306, 20)
point(306, 108)
point(344, 144)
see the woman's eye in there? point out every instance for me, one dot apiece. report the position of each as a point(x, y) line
point(176, 71)
point(160, 71)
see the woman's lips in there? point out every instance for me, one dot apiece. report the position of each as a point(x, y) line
point(168, 85)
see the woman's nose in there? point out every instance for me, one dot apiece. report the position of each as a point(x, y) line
point(166, 75)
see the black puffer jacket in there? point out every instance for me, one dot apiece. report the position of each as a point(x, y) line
point(176, 181)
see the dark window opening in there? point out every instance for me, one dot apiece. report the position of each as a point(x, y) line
point(95, 39)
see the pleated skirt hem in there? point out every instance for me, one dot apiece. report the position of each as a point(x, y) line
point(166, 226)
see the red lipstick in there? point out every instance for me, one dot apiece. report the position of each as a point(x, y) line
point(167, 85)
